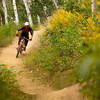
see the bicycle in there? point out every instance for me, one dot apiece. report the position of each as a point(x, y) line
point(21, 47)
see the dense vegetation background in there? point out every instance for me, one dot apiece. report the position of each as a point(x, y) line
point(69, 49)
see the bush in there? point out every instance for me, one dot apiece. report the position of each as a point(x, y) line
point(61, 46)
point(9, 90)
point(89, 73)
point(80, 6)
point(7, 32)
point(67, 37)
point(7, 84)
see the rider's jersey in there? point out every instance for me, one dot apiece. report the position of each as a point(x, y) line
point(25, 31)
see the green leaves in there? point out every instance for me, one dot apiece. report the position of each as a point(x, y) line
point(7, 32)
point(89, 74)
point(7, 83)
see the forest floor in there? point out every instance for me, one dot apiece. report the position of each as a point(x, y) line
point(25, 80)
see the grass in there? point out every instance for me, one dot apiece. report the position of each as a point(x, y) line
point(7, 32)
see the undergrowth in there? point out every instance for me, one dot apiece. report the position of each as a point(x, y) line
point(9, 89)
point(7, 32)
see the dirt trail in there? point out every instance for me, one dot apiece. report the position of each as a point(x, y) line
point(35, 87)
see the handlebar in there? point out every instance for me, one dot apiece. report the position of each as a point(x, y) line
point(25, 38)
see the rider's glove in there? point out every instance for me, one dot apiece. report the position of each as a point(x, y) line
point(31, 39)
point(17, 34)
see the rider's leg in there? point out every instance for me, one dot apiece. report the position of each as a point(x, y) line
point(20, 37)
point(26, 42)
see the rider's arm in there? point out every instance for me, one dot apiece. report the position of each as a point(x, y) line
point(19, 30)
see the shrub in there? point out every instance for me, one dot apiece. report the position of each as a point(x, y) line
point(7, 84)
point(80, 6)
point(89, 73)
point(61, 46)
point(68, 36)
point(7, 32)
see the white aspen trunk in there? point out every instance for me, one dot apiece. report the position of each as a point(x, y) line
point(0, 20)
point(5, 11)
point(45, 9)
point(39, 21)
point(55, 3)
point(28, 12)
point(29, 3)
point(93, 6)
point(15, 11)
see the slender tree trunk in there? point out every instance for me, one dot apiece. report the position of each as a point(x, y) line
point(45, 11)
point(5, 11)
point(29, 3)
point(38, 17)
point(15, 11)
point(93, 6)
point(28, 12)
point(55, 2)
point(0, 19)
point(44, 8)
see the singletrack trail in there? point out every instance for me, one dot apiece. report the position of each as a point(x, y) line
point(44, 92)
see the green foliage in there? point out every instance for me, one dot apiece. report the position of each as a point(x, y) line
point(60, 50)
point(7, 32)
point(80, 6)
point(22, 14)
point(89, 73)
point(10, 10)
point(7, 84)
point(37, 8)
point(9, 90)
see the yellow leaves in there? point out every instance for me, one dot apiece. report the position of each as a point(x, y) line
point(86, 28)
point(60, 17)
point(98, 17)
point(90, 31)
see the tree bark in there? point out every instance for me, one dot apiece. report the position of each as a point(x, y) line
point(0, 19)
point(28, 12)
point(5, 11)
point(93, 6)
point(38, 18)
point(45, 11)
point(15, 11)
point(55, 3)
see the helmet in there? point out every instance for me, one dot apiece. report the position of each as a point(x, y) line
point(26, 23)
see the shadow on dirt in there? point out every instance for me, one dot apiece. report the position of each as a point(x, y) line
point(25, 96)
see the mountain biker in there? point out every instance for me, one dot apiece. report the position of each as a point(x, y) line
point(25, 33)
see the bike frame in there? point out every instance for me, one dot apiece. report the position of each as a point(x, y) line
point(21, 47)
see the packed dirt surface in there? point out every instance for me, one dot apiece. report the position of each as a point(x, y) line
point(27, 85)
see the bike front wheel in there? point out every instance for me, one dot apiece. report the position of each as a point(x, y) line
point(17, 54)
